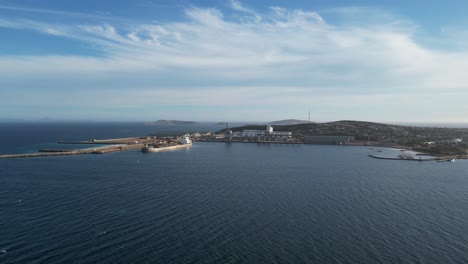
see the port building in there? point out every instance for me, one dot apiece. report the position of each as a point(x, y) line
point(327, 140)
point(268, 135)
point(268, 132)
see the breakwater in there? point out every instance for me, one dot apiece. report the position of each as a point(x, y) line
point(58, 152)
point(34, 155)
point(446, 158)
point(112, 145)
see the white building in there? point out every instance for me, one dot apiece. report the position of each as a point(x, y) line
point(456, 141)
point(251, 133)
point(269, 129)
point(265, 133)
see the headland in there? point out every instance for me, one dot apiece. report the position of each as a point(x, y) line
point(437, 141)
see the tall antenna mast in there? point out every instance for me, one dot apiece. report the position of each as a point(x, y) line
point(228, 132)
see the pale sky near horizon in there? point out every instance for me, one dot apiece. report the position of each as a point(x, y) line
point(384, 61)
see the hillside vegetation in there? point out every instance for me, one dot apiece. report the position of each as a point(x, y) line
point(409, 136)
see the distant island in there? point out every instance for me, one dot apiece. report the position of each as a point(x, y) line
point(170, 122)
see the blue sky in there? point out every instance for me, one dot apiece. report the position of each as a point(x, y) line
point(386, 61)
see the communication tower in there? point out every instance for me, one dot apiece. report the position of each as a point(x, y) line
point(228, 132)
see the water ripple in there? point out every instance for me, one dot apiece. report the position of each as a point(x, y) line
point(239, 204)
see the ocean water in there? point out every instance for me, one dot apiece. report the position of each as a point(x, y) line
point(229, 203)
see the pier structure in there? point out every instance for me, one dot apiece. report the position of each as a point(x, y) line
point(111, 145)
point(61, 152)
point(445, 158)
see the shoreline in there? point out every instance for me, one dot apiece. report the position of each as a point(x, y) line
point(123, 144)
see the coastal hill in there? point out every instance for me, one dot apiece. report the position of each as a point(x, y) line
point(170, 122)
point(409, 136)
point(288, 122)
point(276, 123)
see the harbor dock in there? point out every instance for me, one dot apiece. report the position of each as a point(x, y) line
point(112, 145)
point(419, 159)
point(61, 152)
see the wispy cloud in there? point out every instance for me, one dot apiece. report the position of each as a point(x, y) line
point(102, 16)
point(287, 57)
point(236, 5)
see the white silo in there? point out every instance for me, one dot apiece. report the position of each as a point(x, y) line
point(269, 129)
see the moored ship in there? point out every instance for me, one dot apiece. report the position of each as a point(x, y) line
point(185, 141)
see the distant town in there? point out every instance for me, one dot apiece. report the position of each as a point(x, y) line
point(431, 140)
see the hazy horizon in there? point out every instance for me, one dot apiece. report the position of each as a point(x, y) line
point(415, 123)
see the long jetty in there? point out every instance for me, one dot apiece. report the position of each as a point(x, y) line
point(112, 141)
point(413, 159)
point(33, 155)
point(52, 152)
point(112, 145)
point(115, 144)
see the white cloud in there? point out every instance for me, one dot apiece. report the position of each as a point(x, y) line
point(105, 16)
point(236, 5)
point(289, 57)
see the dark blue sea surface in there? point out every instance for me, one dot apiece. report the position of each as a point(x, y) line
point(231, 203)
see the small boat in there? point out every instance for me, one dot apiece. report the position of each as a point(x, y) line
point(184, 142)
